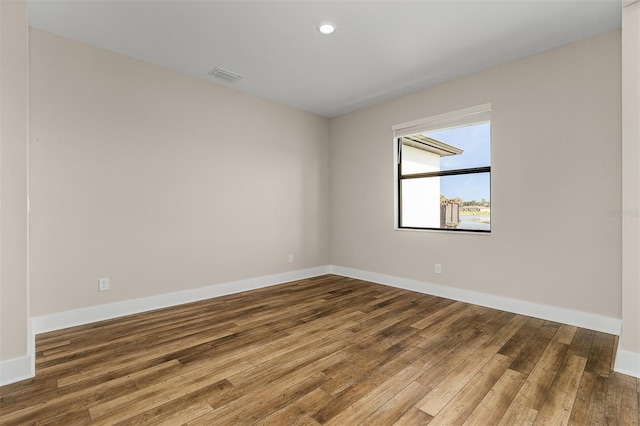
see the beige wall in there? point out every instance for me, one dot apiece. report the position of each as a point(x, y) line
point(556, 172)
point(163, 182)
point(630, 337)
point(14, 311)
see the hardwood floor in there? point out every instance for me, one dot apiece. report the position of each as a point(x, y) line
point(327, 350)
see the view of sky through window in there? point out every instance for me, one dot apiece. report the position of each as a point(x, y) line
point(475, 140)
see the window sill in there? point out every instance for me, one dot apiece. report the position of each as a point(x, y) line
point(443, 231)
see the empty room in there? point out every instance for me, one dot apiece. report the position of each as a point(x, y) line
point(319, 212)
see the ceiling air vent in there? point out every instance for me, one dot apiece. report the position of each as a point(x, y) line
point(224, 74)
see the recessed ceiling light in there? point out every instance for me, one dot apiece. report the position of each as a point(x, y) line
point(326, 27)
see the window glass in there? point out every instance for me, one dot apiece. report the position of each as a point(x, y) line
point(474, 140)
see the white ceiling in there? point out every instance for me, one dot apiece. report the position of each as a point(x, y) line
point(381, 49)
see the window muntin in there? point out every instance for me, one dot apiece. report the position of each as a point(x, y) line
point(444, 174)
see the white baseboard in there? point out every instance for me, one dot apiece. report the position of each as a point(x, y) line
point(21, 368)
point(57, 321)
point(627, 363)
point(566, 316)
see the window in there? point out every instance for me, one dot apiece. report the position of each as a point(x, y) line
point(443, 172)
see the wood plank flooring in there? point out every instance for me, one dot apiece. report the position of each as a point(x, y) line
point(324, 351)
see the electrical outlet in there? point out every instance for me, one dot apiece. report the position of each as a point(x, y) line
point(290, 258)
point(438, 268)
point(103, 284)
